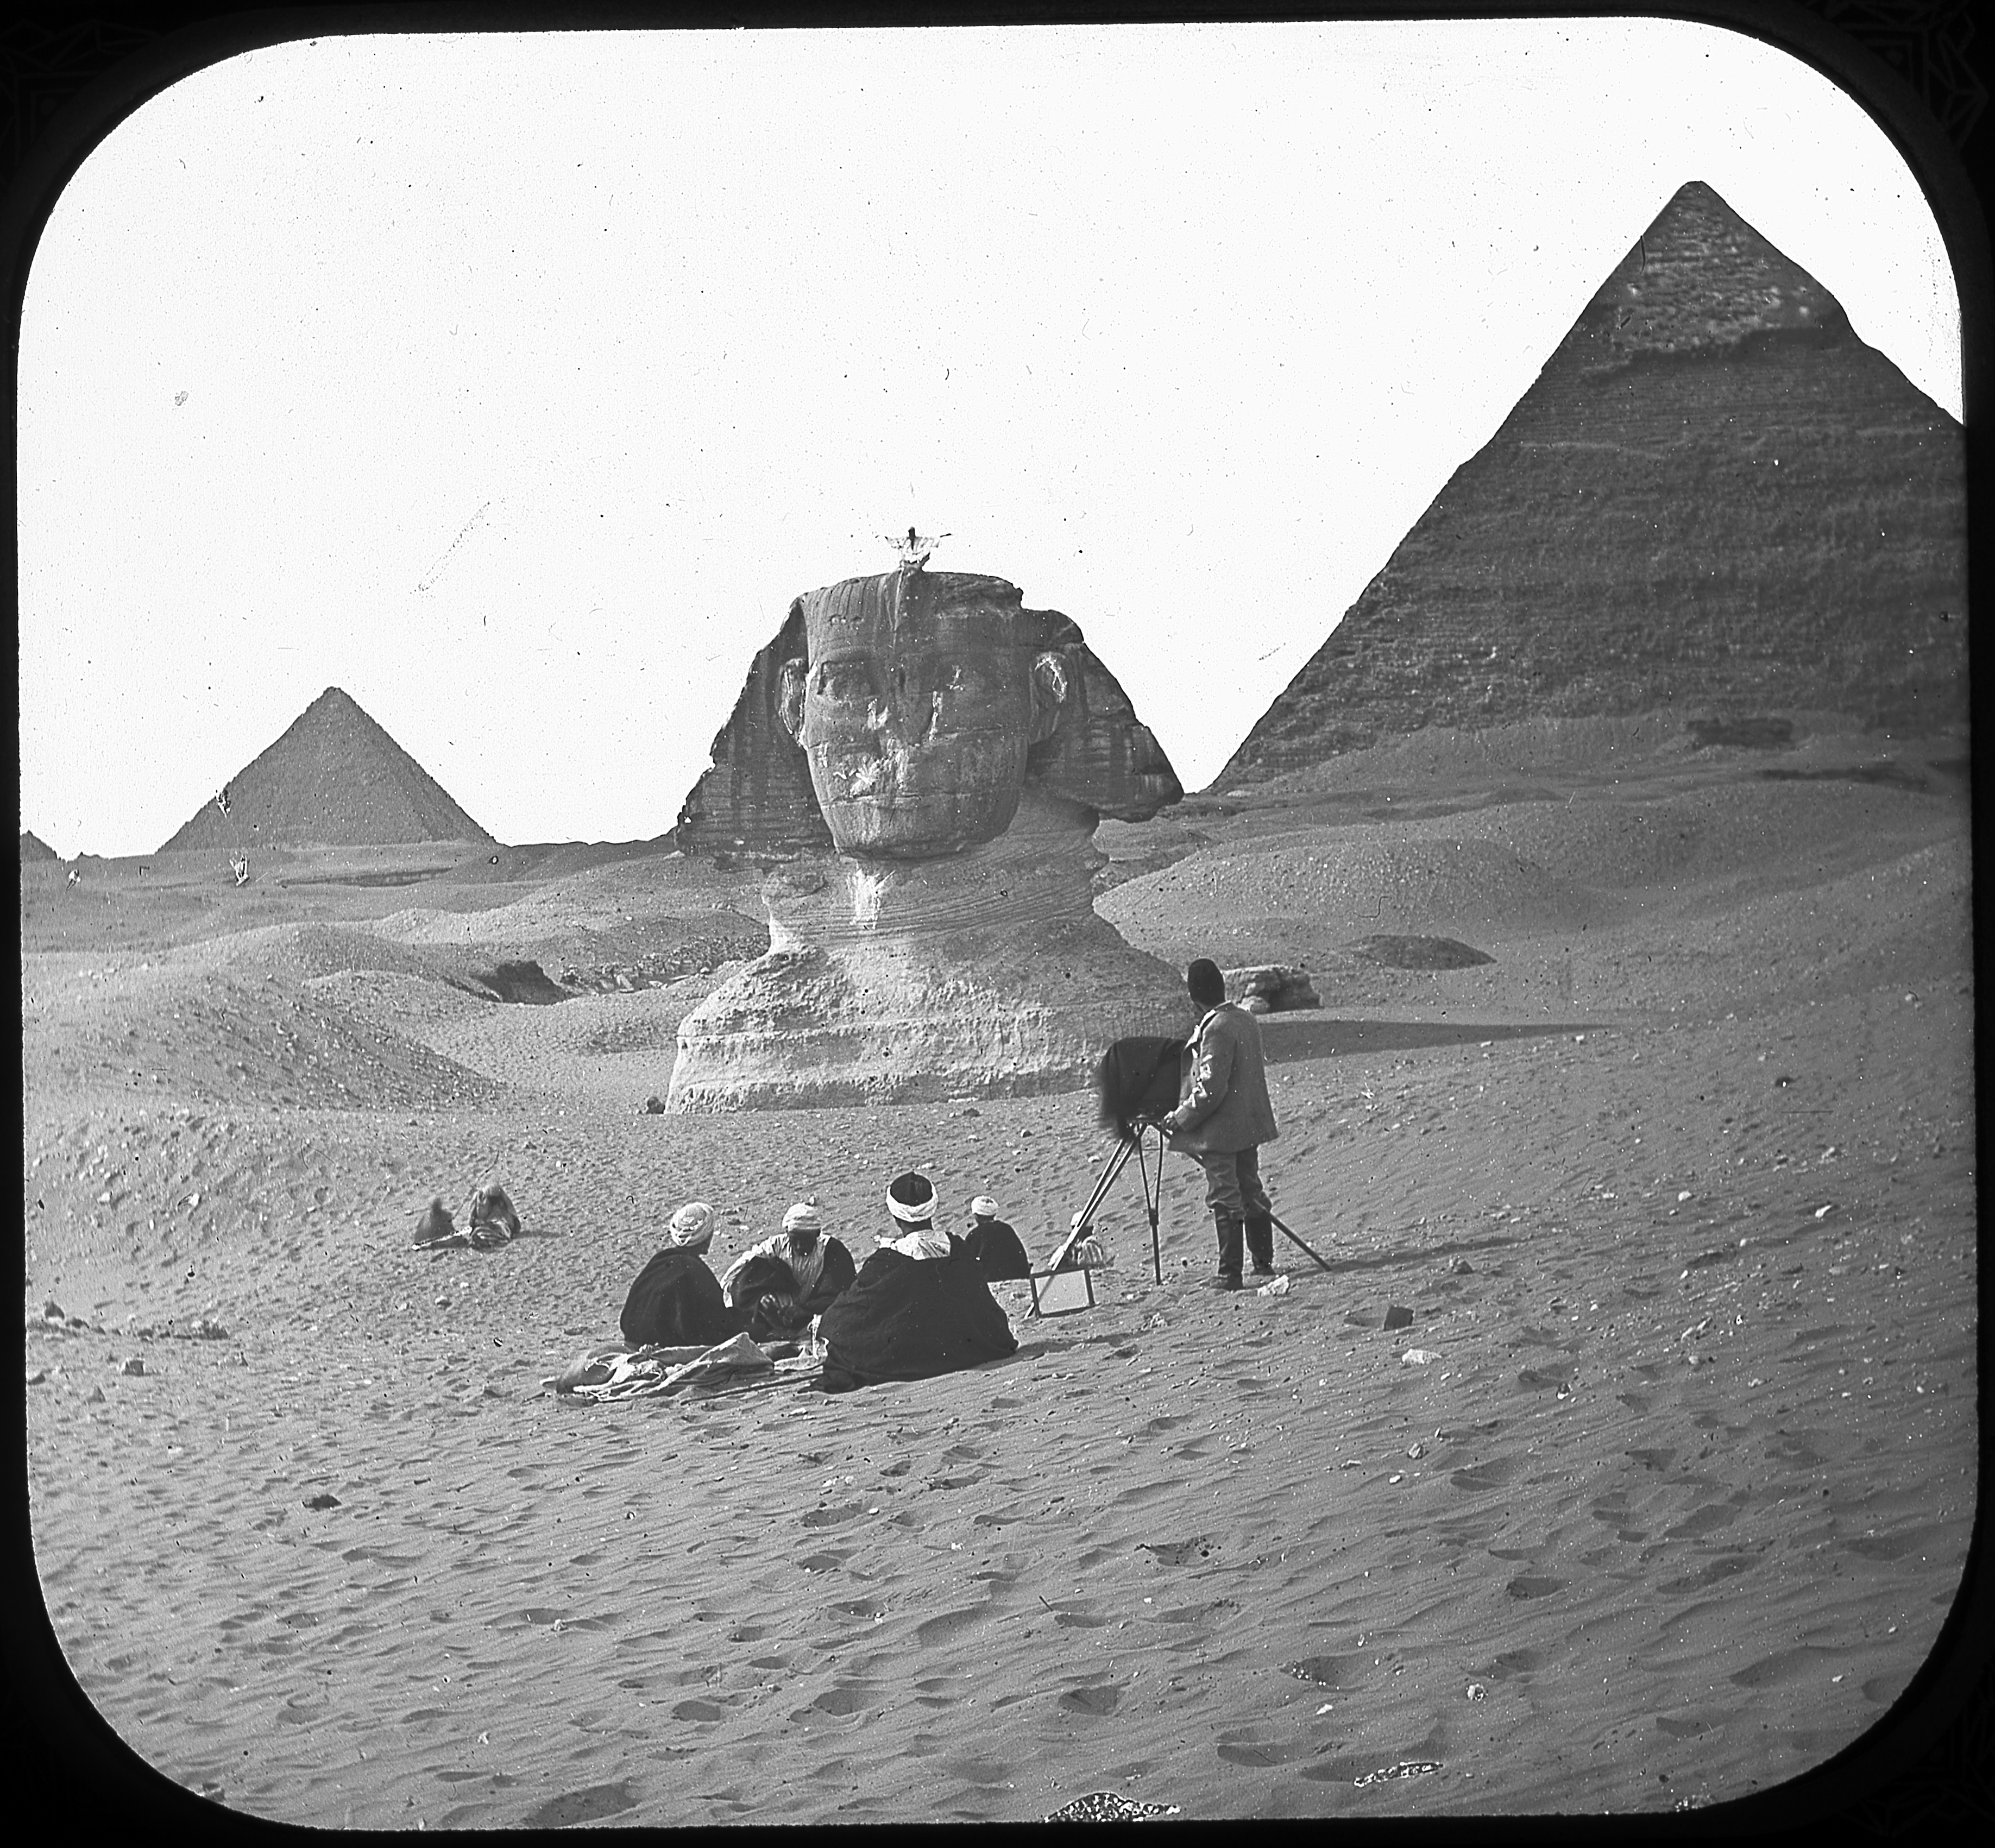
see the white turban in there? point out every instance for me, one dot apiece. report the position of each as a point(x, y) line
point(802, 1217)
point(911, 1198)
point(984, 1207)
point(692, 1225)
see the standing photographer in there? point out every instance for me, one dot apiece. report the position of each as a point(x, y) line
point(1223, 1115)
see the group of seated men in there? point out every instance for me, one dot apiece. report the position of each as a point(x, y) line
point(919, 1305)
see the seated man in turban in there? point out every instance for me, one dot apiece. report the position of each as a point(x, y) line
point(781, 1283)
point(918, 1307)
point(677, 1300)
point(996, 1247)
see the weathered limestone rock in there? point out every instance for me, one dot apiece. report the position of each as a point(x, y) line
point(1714, 496)
point(955, 750)
point(943, 695)
point(1274, 986)
point(985, 973)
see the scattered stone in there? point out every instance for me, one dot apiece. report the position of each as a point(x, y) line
point(1478, 1691)
point(1416, 1451)
point(1276, 986)
point(1419, 1357)
point(95, 1396)
point(132, 1364)
point(1107, 1806)
point(654, 1106)
point(1398, 1317)
point(1462, 1267)
point(35, 1376)
point(1822, 1212)
point(1278, 1288)
point(52, 1310)
point(1406, 1767)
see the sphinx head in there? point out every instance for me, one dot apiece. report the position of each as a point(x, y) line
point(918, 700)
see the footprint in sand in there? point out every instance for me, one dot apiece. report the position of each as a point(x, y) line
point(1727, 1566)
point(951, 1623)
point(1096, 1697)
point(589, 1805)
point(1785, 1665)
point(833, 1517)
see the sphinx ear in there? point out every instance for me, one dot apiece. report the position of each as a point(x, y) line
point(1049, 693)
point(790, 696)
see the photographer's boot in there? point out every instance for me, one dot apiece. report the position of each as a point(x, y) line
point(1261, 1242)
point(1228, 1226)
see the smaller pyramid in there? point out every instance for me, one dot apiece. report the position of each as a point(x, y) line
point(334, 779)
point(35, 851)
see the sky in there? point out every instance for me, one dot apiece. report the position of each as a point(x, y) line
point(516, 384)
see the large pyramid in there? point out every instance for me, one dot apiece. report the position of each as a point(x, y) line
point(1714, 495)
point(334, 779)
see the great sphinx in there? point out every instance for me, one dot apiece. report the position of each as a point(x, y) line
point(921, 762)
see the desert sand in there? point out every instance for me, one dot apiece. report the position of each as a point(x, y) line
point(1678, 1189)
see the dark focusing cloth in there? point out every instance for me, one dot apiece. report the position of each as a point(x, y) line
point(998, 1249)
point(910, 1318)
point(677, 1301)
point(761, 1276)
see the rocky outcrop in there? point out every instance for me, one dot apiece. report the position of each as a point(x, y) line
point(955, 751)
point(1715, 497)
point(985, 973)
point(334, 779)
point(1271, 988)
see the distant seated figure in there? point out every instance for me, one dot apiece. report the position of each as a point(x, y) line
point(997, 1249)
point(677, 1300)
point(918, 1307)
point(494, 1220)
point(435, 1226)
point(781, 1283)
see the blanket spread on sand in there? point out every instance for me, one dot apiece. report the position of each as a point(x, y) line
point(676, 1301)
point(910, 1319)
point(655, 1372)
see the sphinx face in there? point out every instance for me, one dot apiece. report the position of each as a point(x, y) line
point(916, 709)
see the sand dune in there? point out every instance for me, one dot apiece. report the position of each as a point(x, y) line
point(1678, 1189)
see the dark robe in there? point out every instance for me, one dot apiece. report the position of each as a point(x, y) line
point(765, 1283)
point(676, 1302)
point(910, 1319)
point(998, 1249)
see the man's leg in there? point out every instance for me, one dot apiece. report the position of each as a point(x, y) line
point(1257, 1210)
point(1222, 1196)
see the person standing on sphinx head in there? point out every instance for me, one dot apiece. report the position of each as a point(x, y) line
point(1223, 1115)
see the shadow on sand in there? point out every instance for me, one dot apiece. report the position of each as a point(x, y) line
point(1332, 1039)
